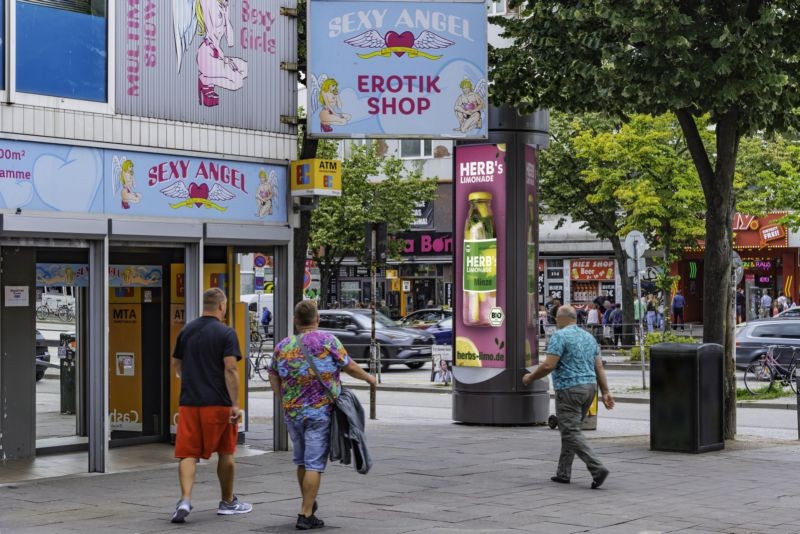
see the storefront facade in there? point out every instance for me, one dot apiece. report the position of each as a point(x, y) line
point(769, 256)
point(131, 184)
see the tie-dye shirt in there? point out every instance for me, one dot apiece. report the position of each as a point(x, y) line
point(303, 396)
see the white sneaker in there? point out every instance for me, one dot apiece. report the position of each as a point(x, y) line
point(182, 510)
point(234, 507)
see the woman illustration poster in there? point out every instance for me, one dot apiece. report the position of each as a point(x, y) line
point(265, 192)
point(125, 182)
point(210, 19)
point(325, 98)
point(469, 105)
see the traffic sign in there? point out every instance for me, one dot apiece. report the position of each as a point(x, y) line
point(631, 268)
point(641, 245)
point(496, 316)
point(651, 274)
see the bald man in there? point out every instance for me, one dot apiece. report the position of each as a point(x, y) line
point(573, 356)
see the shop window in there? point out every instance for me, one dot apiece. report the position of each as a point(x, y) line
point(416, 148)
point(61, 48)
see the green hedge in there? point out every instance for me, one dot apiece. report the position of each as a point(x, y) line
point(658, 337)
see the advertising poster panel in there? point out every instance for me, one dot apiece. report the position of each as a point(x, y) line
point(531, 223)
point(480, 252)
point(60, 178)
point(397, 69)
point(206, 61)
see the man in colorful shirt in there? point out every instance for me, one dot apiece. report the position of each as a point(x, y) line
point(306, 403)
point(574, 359)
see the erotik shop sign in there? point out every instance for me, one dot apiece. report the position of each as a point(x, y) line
point(427, 243)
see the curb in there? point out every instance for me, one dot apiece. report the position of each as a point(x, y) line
point(620, 399)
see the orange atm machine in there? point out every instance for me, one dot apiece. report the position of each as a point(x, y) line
point(214, 275)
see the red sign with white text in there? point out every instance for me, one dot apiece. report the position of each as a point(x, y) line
point(591, 270)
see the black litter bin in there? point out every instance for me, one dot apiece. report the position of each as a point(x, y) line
point(686, 410)
point(66, 354)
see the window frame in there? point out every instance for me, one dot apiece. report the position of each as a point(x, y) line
point(492, 7)
point(10, 95)
point(421, 149)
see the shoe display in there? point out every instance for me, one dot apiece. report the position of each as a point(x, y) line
point(234, 507)
point(308, 523)
point(182, 510)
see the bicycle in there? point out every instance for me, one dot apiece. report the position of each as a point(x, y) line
point(760, 375)
point(66, 313)
point(258, 363)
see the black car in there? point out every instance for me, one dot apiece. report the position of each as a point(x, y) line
point(42, 356)
point(753, 339)
point(354, 327)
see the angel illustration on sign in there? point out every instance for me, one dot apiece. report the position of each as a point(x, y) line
point(210, 20)
point(265, 193)
point(124, 182)
point(399, 44)
point(198, 195)
point(470, 105)
point(325, 99)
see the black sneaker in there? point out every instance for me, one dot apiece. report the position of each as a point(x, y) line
point(308, 523)
point(599, 479)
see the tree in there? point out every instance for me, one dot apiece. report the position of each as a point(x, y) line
point(733, 61)
point(615, 179)
point(337, 226)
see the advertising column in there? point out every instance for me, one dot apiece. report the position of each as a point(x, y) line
point(496, 285)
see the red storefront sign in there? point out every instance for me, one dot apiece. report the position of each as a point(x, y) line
point(759, 232)
point(591, 269)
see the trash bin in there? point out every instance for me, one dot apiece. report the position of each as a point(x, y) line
point(66, 354)
point(686, 409)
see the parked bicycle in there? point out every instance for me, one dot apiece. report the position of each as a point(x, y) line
point(258, 363)
point(64, 312)
point(761, 375)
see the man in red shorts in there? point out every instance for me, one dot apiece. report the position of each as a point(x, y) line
point(205, 360)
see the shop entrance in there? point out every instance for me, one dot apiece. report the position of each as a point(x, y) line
point(138, 342)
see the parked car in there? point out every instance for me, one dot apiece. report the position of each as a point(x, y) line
point(753, 338)
point(425, 318)
point(442, 331)
point(42, 356)
point(794, 311)
point(354, 329)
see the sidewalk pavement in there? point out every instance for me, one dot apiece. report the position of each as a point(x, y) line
point(445, 478)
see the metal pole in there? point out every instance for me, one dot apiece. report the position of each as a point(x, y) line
point(641, 311)
point(372, 346)
point(797, 384)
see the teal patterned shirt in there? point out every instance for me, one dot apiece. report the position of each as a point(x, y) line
point(576, 350)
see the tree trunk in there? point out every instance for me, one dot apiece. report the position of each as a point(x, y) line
point(718, 192)
point(301, 234)
point(324, 284)
point(627, 292)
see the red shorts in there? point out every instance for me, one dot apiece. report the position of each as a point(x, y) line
point(204, 430)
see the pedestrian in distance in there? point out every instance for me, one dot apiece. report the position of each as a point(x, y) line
point(266, 319)
point(678, 304)
point(384, 309)
point(205, 358)
point(651, 317)
point(616, 323)
point(766, 305)
point(573, 356)
point(740, 302)
point(306, 403)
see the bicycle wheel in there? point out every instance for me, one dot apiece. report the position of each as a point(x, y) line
point(793, 378)
point(758, 378)
point(262, 365)
point(42, 312)
point(63, 313)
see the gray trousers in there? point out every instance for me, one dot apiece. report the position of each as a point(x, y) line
point(571, 407)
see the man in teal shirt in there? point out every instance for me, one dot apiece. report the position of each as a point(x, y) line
point(572, 355)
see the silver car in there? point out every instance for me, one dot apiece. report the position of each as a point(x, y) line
point(753, 338)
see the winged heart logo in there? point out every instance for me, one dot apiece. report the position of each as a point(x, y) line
point(399, 44)
point(198, 195)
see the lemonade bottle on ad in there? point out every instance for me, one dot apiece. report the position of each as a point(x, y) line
point(480, 260)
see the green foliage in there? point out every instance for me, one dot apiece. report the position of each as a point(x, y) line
point(775, 392)
point(658, 337)
point(631, 56)
point(337, 226)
